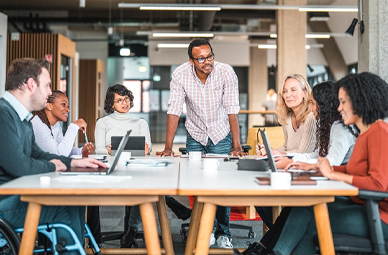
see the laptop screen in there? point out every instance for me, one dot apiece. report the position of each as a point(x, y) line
point(267, 146)
point(135, 144)
point(120, 149)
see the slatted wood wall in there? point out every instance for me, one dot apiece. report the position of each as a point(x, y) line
point(34, 45)
point(89, 93)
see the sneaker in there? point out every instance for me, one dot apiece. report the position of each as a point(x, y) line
point(128, 238)
point(212, 240)
point(224, 242)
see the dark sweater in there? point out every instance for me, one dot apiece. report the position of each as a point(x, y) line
point(19, 153)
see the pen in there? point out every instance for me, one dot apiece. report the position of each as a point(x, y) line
point(86, 138)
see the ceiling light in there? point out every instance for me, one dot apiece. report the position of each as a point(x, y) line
point(208, 7)
point(318, 8)
point(178, 7)
point(274, 46)
point(125, 52)
point(178, 34)
point(142, 69)
point(321, 36)
point(319, 16)
point(82, 3)
point(350, 31)
point(273, 35)
point(173, 45)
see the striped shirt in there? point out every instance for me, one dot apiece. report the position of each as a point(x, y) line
point(209, 104)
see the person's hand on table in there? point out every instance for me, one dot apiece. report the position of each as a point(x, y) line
point(109, 149)
point(89, 147)
point(87, 162)
point(238, 152)
point(59, 165)
point(300, 165)
point(323, 166)
point(282, 162)
point(166, 152)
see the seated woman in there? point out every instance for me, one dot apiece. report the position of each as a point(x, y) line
point(299, 127)
point(49, 137)
point(295, 115)
point(48, 131)
point(335, 140)
point(118, 102)
point(363, 103)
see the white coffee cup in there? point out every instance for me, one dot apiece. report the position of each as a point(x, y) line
point(195, 155)
point(281, 180)
point(210, 164)
point(124, 157)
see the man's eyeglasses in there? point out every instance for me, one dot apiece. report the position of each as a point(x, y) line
point(121, 100)
point(202, 60)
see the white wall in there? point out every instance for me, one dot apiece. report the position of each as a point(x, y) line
point(235, 53)
point(3, 51)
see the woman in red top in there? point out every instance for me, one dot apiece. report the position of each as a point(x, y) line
point(363, 103)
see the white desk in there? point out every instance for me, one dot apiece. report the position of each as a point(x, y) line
point(146, 186)
point(229, 187)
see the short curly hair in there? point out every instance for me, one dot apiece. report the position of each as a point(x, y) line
point(368, 95)
point(110, 96)
point(196, 43)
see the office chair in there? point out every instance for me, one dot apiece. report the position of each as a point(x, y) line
point(10, 239)
point(355, 244)
point(185, 226)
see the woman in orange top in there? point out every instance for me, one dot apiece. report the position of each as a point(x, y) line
point(363, 102)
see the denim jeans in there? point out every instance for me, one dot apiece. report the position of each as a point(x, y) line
point(221, 222)
point(14, 211)
point(134, 221)
point(346, 217)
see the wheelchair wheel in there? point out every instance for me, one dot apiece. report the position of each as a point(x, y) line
point(9, 239)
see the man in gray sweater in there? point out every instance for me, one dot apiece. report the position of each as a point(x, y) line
point(27, 89)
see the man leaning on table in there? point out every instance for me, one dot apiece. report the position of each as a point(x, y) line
point(210, 91)
point(27, 89)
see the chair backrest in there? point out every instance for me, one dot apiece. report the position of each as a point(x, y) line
point(275, 137)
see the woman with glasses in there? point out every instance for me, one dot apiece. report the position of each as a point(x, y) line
point(118, 102)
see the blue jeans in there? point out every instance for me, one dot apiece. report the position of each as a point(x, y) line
point(346, 217)
point(14, 211)
point(134, 221)
point(221, 222)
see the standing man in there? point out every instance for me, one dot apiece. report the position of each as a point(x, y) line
point(27, 89)
point(210, 91)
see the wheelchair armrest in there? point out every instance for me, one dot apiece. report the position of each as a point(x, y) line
point(246, 148)
point(183, 150)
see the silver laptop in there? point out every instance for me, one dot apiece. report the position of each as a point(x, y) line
point(135, 144)
point(272, 164)
point(100, 170)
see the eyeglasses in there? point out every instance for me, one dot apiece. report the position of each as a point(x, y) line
point(202, 60)
point(122, 100)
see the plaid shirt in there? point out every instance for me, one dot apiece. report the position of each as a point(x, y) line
point(209, 104)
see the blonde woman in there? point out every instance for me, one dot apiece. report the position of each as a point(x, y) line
point(294, 114)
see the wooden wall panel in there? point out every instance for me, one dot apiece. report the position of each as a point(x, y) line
point(88, 95)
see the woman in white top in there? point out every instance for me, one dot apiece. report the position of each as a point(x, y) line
point(48, 130)
point(118, 102)
point(295, 115)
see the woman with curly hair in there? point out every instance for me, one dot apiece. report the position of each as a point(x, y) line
point(295, 115)
point(118, 102)
point(363, 103)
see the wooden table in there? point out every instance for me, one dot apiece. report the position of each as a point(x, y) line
point(229, 187)
point(146, 186)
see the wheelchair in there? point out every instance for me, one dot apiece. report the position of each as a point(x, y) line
point(10, 239)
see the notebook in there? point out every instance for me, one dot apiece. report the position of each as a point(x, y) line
point(272, 165)
point(135, 144)
point(100, 170)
